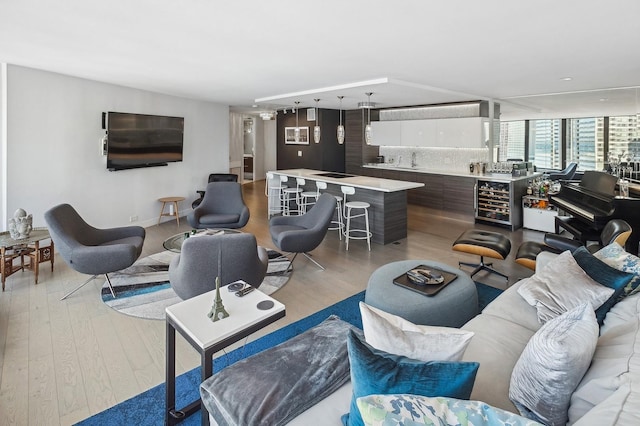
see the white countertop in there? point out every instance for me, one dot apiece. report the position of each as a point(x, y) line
point(500, 177)
point(365, 182)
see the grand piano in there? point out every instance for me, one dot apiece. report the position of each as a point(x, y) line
point(592, 202)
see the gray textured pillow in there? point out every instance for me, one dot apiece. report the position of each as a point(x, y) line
point(560, 286)
point(552, 364)
point(275, 385)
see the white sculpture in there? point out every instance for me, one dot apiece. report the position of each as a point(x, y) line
point(20, 225)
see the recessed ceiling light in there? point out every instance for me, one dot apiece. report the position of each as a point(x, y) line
point(255, 105)
point(566, 78)
point(604, 99)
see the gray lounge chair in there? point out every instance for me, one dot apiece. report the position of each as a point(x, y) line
point(91, 250)
point(194, 271)
point(221, 207)
point(301, 234)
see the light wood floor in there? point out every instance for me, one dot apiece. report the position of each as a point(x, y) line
point(63, 361)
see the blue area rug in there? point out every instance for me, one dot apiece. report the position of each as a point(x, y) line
point(148, 407)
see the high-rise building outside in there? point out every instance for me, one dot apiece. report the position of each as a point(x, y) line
point(544, 143)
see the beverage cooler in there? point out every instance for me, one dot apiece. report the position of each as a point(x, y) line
point(499, 201)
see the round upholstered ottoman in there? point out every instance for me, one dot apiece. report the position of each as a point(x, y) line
point(452, 306)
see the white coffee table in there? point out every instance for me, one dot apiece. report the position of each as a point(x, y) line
point(190, 319)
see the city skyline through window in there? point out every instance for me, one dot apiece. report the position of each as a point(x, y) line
point(586, 140)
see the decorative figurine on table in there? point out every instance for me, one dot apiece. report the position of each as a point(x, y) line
point(218, 311)
point(20, 225)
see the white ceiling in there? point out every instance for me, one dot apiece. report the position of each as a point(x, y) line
point(412, 52)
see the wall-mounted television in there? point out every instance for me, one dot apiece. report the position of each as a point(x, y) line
point(140, 140)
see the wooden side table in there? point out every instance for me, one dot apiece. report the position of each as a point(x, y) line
point(173, 203)
point(11, 249)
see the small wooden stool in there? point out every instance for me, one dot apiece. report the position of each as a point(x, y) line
point(175, 201)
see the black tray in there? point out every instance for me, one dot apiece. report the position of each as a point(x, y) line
point(427, 289)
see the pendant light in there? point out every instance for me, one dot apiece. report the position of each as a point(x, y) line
point(340, 130)
point(316, 128)
point(296, 131)
point(368, 133)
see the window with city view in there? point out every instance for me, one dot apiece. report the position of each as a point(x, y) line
point(585, 143)
point(545, 144)
point(512, 139)
point(589, 141)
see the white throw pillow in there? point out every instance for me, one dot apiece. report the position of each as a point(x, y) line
point(395, 335)
point(552, 364)
point(560, 286)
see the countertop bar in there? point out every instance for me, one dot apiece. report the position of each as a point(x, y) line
point(497, 177)
point(387, 199)
point(364, 182)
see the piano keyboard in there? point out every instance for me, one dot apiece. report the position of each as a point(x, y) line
point(573, 208)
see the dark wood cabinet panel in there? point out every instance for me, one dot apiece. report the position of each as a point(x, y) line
point(459, 194)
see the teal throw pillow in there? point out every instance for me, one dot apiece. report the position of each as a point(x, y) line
point(605, 275)
point(378, 372)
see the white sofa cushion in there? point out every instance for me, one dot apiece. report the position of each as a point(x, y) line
point(560, 286)
point(612, 374)
point(552, 364)
point(512, 307)
point(496, 345)
point(396, 335)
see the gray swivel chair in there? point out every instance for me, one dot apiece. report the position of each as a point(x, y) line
point(91, 250)
point(221, 207)
point(215, 177)
point(232, 256)
point(566, 174)
point(303, 233)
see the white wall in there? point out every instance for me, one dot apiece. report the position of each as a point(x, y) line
point(53, 133)
point(270, 147)
point(3, 144)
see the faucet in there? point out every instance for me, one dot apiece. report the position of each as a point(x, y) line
point(413, 159)
point(399, 160)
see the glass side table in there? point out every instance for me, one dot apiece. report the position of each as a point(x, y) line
point(174, 243)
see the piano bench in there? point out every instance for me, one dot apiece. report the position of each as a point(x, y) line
point(578, 229)
point(483, 243)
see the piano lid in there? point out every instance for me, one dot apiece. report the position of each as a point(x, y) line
point(600, 182)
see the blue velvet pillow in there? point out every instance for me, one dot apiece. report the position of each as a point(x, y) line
point(605, 275)
point(377, 372)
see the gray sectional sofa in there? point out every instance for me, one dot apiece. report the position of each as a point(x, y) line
point(608, 394)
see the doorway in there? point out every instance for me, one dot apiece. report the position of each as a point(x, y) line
point(249, 144)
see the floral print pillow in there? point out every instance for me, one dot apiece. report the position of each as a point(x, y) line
point(412, 410)
point(616, 257)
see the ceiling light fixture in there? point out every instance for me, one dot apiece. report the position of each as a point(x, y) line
point(368, 132)
point(340, 130)
point(267, 115)
point(566, 78)
point(316, 128)
point(296, 132)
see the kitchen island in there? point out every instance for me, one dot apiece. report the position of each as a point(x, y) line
point(387, 197)
point(493, 198)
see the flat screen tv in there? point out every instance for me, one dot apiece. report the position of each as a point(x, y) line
point(140, 140)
